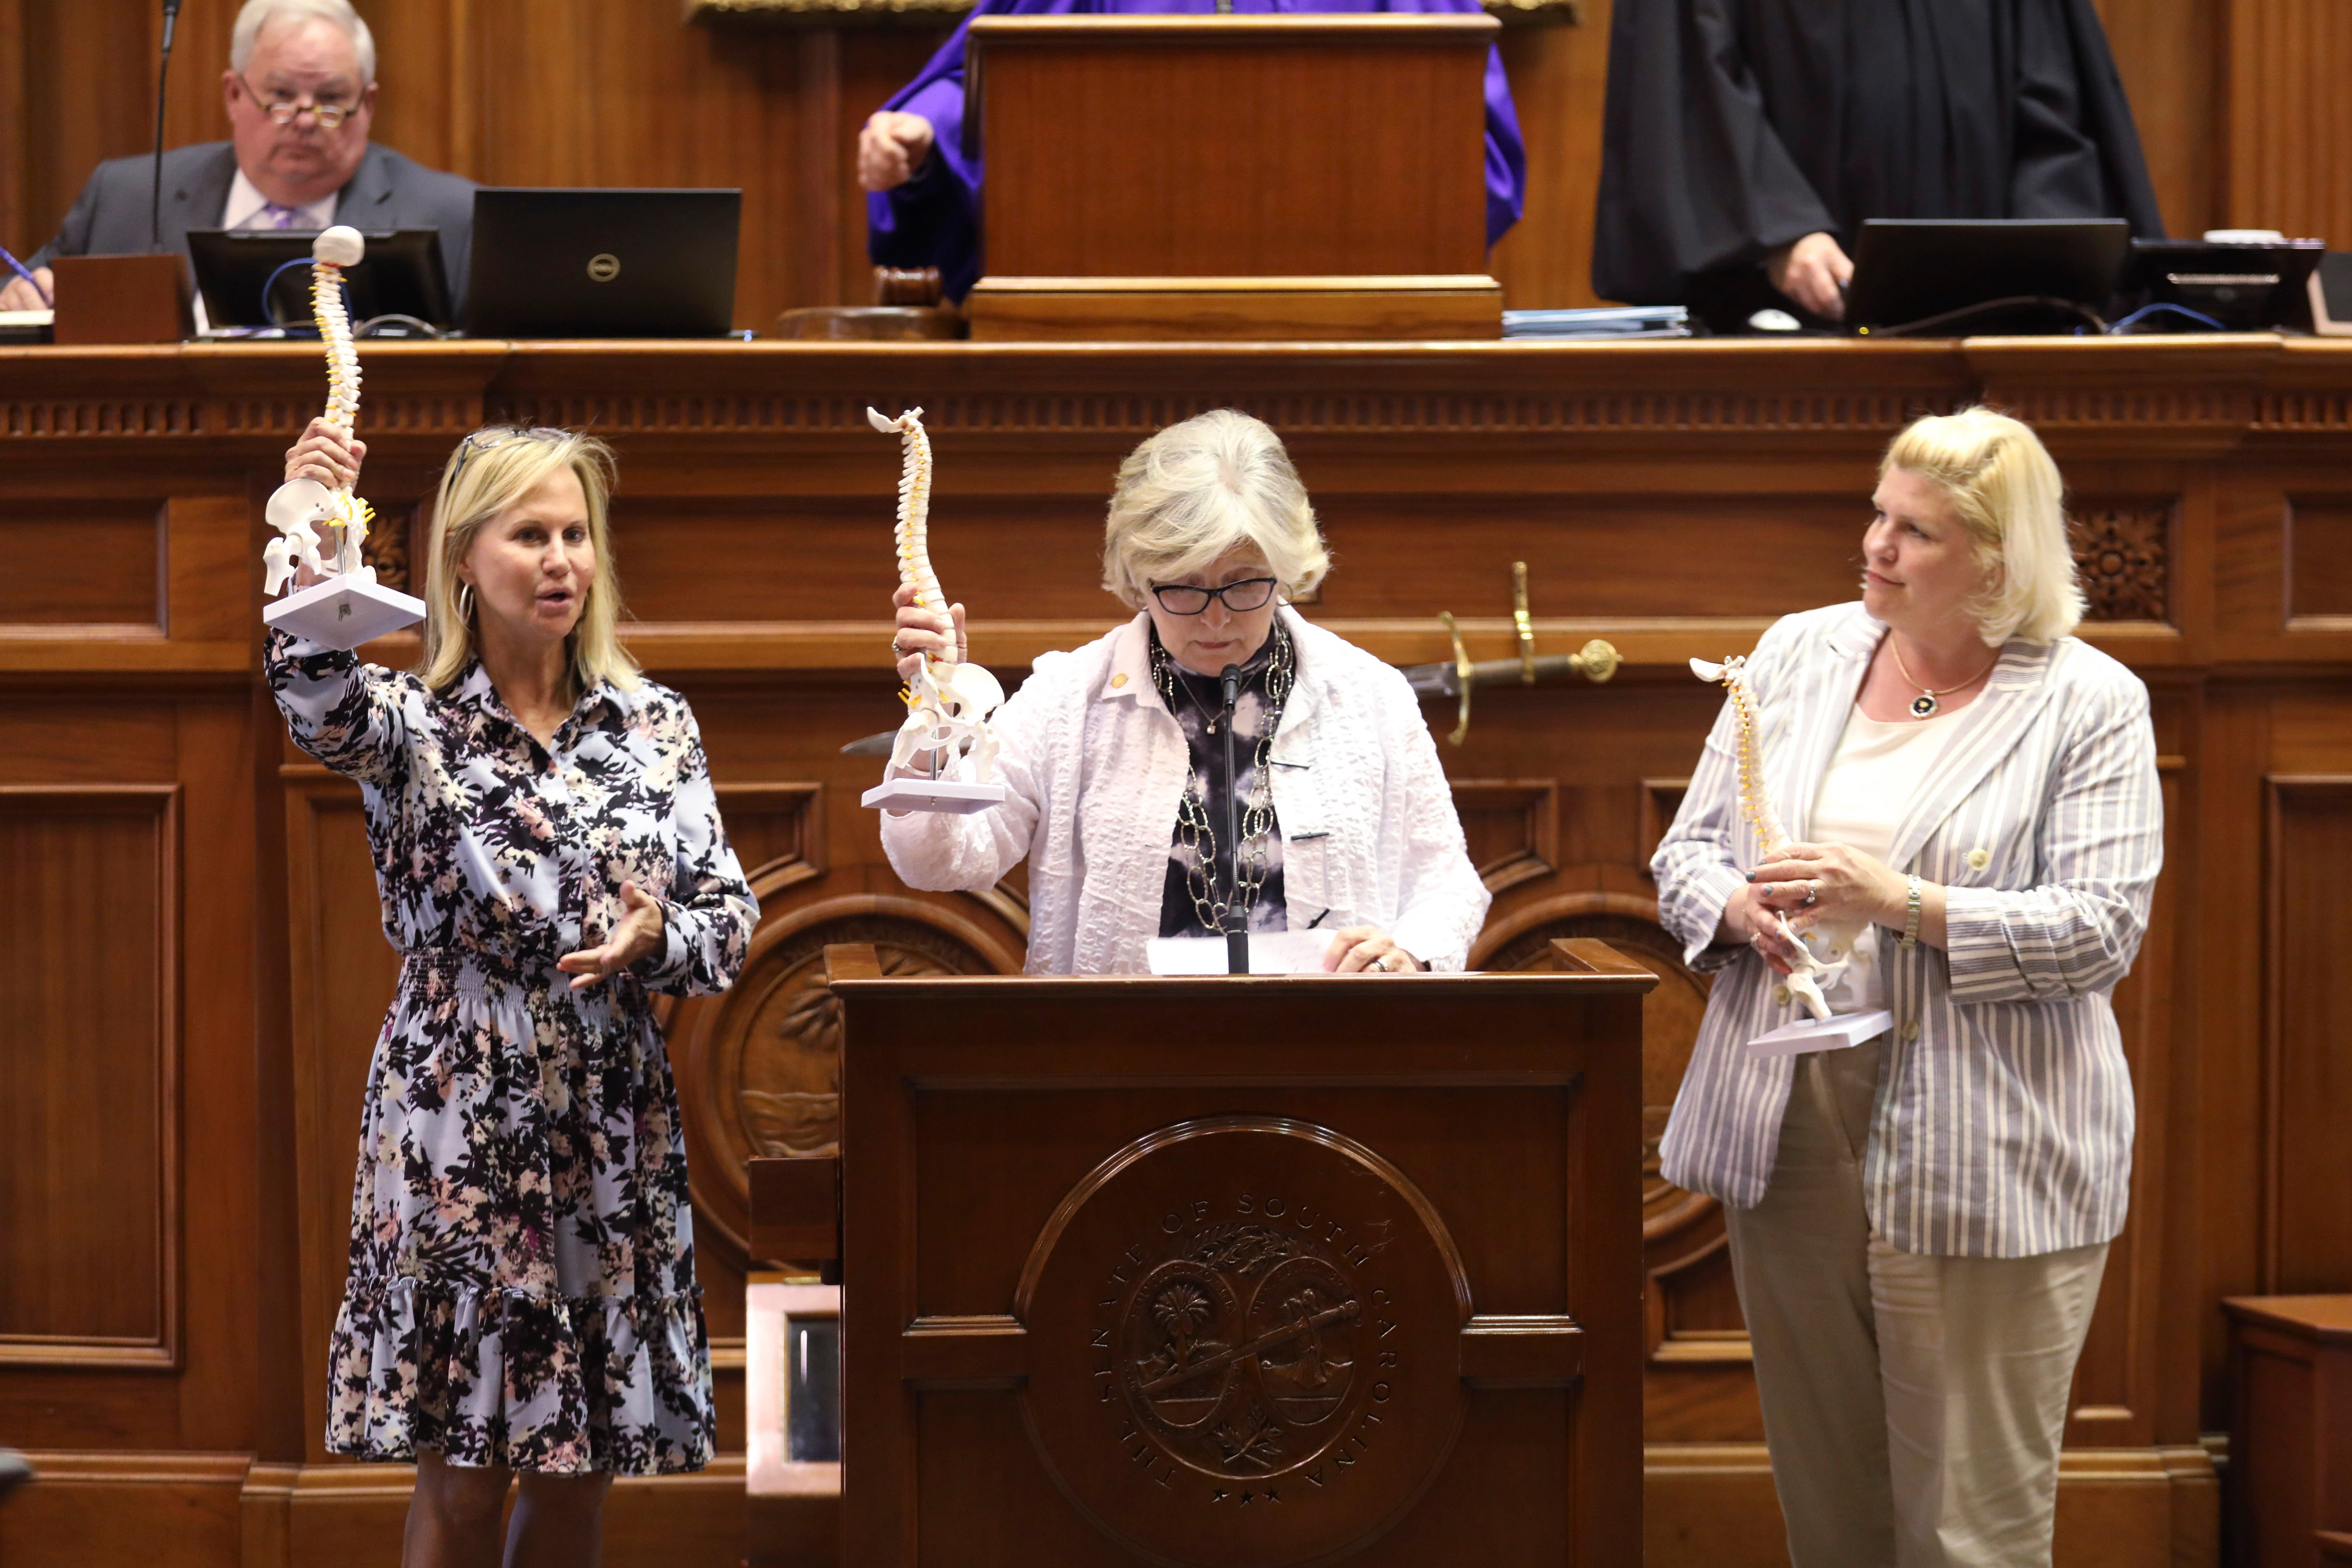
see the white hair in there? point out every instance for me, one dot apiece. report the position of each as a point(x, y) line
point(1196, 491)
point(2006, 494)
point(259, 13)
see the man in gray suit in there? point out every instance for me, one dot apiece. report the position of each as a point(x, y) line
point(301, 93)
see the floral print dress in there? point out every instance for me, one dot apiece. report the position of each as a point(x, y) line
point(522, 1288)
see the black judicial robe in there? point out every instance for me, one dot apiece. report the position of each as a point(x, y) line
point(1734, 127)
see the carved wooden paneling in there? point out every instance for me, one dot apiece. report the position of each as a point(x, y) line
point(2306, 1226)
point(82, 563)
point(90, 1127)
point(2319, 558)
point(2123, 554)
point(1661, 801)
point(1696, 1387)
point(2289, 124)
point(760, 1068)
point(1512, 826)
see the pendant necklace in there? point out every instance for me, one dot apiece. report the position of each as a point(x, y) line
point(1924, 705)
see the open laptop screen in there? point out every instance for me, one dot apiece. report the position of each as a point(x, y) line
point(587, 263)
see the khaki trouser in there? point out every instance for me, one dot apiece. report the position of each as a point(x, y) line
point(1913, 1405)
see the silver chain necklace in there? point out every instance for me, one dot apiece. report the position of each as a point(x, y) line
point(1193, 829)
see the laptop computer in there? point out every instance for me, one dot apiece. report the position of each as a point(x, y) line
point(402, 274)
point(602, 263)
point(1907, 270)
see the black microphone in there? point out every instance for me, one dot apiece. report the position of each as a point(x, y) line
point(162, 79)
point(1237, 942)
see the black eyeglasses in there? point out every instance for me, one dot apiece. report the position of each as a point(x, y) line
point(498, 435)
point(1184, 599)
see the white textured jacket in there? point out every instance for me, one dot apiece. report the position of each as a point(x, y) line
point(2004, 1123)
point(1096, 765)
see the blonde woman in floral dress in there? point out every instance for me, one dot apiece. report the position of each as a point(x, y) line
point(521, 1300)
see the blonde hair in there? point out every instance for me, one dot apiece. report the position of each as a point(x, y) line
point(1197, 489)
point(259, 13)
point(2006, 491)
point(491, 470)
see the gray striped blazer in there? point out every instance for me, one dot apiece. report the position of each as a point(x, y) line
point(2003, 1124)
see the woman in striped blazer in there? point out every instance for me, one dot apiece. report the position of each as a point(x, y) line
point(1919, 1224)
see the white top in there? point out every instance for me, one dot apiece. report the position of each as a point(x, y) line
point(1096, 766)
point(1865, 795)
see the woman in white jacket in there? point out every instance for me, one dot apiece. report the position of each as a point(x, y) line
point(1115, 762)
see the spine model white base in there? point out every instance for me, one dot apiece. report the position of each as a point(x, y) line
point(947, 703)
point(1756, 804)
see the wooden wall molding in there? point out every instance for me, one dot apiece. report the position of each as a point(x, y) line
point(2307, 1028)
point(105, 1195)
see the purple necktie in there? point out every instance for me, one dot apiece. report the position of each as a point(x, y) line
point(279, 217)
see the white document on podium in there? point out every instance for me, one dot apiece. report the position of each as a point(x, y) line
point(1832, 1034)
point(1270, 952)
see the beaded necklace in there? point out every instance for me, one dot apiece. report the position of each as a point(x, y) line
point(1193, 828)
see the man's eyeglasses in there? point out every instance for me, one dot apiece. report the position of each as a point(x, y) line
point(498, 435)
point(1184, 599)
point(282, 109)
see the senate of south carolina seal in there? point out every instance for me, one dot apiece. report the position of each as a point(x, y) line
point(1242, 1338)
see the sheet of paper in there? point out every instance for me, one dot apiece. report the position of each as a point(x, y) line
point(1270, 952)
point(1833, 1034)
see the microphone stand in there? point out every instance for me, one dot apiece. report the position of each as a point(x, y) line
point(1237, 942)
point(162, 82)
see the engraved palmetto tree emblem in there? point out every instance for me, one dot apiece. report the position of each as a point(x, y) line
point(1240, 1350)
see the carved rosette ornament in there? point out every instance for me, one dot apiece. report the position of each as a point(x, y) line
point(1244, 1345)
point(2120, 560)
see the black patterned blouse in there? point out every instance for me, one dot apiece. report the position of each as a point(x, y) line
point(522, 1287)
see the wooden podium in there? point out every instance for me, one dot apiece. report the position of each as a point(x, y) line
point(1286, 176)
point(1246, 1272)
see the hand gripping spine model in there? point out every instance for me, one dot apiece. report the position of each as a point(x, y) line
point(348, 606)
point(948, 702)
point(1805, 981)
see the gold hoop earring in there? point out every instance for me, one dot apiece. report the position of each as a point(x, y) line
point(465, 603)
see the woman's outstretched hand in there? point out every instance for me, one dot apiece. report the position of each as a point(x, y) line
point(636, 936)
point(327, 455)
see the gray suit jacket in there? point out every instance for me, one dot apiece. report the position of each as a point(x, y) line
point(387, 191)
point(2004, 1123)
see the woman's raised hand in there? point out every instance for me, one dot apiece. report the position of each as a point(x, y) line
point(634, 937)
point(327, 455)
point(1814, 882)
point(1355, 950)
point(920, 632)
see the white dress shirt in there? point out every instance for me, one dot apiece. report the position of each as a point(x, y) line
point(246, 207)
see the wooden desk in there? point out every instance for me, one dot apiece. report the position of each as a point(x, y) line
point(2291, 1434)
point(200, 971)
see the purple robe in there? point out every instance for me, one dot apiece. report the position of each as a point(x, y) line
point(933, 220)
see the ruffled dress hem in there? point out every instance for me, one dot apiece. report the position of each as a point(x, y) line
point(557, 1384)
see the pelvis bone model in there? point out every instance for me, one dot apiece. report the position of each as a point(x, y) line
point(1805, 981)
point(301, 507)
point(947, 703)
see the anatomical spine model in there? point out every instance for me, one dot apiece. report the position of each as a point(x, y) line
point(300, 507)
point(1805, 981)
point(947, 703)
